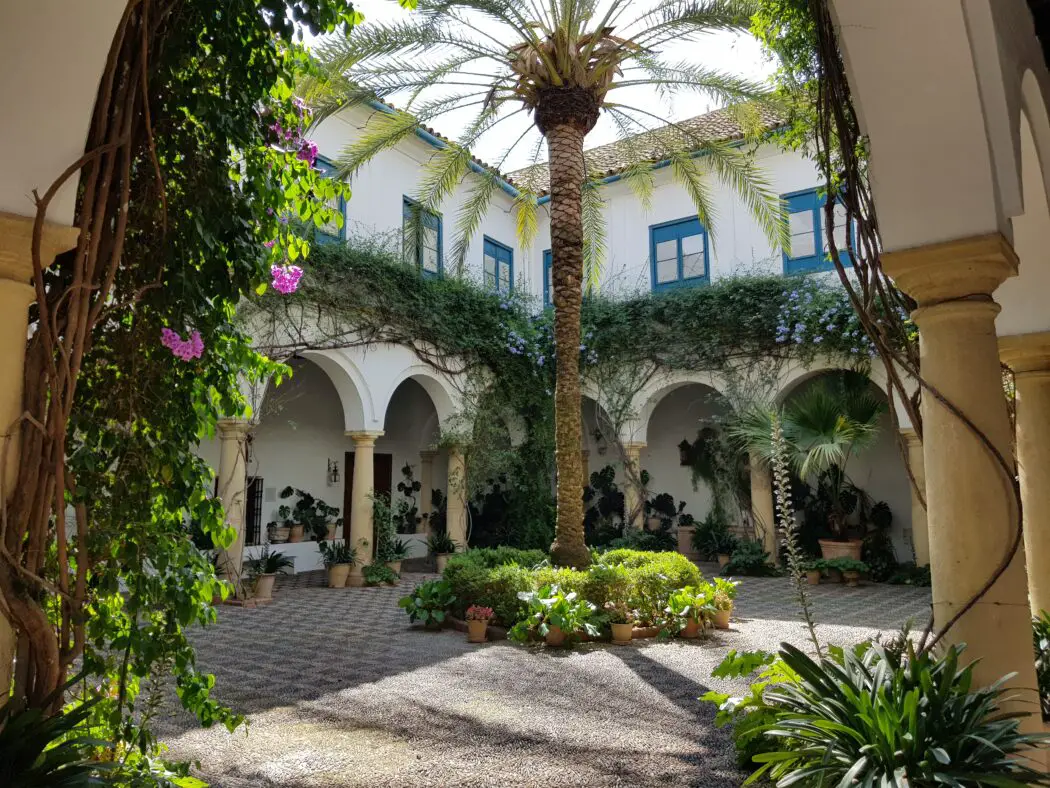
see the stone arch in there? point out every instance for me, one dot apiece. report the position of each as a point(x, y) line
point(1022, 297)
point(442, 394)
point(354, 392)
point(651, 395)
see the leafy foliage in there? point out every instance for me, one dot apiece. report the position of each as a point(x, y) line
point(270, 563)
point(429, 603)
point(313, 513)
point(749, 558)
point(1041, 641)
point(337, 552)
point(712, 537)
point(887, 715)
point(37, 750)
point(377, 574)
point(550, 607)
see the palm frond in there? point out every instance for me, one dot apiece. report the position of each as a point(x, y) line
point(527, 217)
point(471, 214)
point(595, 233)
point(686, 170)
point(738, 171)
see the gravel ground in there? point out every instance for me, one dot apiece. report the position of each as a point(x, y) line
point(340, 691)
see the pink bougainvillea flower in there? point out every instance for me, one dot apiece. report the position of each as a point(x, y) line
point(286, 278)
point(185, 349)
point(269, 244)
point(308, 152)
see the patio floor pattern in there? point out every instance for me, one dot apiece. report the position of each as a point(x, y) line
point(341, 691)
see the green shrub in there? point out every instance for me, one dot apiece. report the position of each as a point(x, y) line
point(647, 541)
point(552, 606)
point(607, 583)
point(496, 588)
point(751, 560)
point(429, 603)
point(568, 580)
point(889, 717)
point(377, 574)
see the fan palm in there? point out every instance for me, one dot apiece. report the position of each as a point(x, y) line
point(824, 427)
point(559, 63)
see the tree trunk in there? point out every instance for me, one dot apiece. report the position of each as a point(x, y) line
point(565, 145)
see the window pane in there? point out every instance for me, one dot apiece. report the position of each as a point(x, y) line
point(840, 228)
point(693, 265)
point(408, 245)
point(504, 278)
point(667, 270)
point(550, 285)
point(430, 259)
point(490, 268)
point(802, 240)
point(667, 250)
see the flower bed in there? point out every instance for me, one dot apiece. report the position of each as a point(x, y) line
point(635, 582)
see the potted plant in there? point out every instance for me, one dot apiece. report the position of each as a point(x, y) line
point(339, 557)
point(442, 546)
point(851, 569)
point(557, 617)
point(429, 603)
point(722, 601)
point(478, 618)
point(686, 610)
point(825, 426)
point(621, 621)
point(277, 534)
point(394, 553)
point(377, 574)
point(308, 515)
point(263, 571)
point(712, 538)
point(813, 568)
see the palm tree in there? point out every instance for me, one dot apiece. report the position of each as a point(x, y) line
point(560, 63)
point(824, 427)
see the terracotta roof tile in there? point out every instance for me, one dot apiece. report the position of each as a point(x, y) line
point(605, 160)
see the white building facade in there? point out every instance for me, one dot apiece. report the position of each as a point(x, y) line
point(383, 398)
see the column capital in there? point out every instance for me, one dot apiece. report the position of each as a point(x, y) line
point(427, 455)
point(910, 436)
point(1026, 353)
point(953, 269)
point(365, 437)
point(231, 429)
point(16, 244)
point(630, 446)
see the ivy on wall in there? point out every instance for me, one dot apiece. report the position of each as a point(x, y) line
point(501, 348)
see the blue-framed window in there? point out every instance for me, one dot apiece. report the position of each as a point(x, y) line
point(497, 266)
point(678, 254)
point(422, 237)
point(333, 231)
point(548, 280)
point(808, 248)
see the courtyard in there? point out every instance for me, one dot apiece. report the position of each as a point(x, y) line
point(340, 690)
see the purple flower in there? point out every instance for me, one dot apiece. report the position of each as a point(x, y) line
point(269, 244)
point(185, 349)
point(307, 152)
point(286, 278)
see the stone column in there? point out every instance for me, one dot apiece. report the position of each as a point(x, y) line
point(426, 489)
point(762, 508)
point(232, 489)
point(971, 508)
point(456, 495)
point(920, 532)
point(362, 530)
point(1028, 355)
point(16, 294)
point(633, 506)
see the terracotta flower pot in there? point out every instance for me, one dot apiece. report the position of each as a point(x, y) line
point(685, 539)
point(834, 576)
point(476, 631)
point(395, 566)
point(692, 629)
point(355, 579)
point(833, 548)
point(723, 559)
point(330, 530)
point(337, 574)
point(296, 533)
point(264, 586)
point(721, 618)
point(852, 578)
point(555, 637)
point(813, 577)
point(622, 634)
point(280, 534)
point(442, 561)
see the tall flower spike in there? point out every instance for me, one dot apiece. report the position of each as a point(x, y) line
point(789, 526)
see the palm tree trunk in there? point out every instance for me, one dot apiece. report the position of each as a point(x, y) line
point(565, 145)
